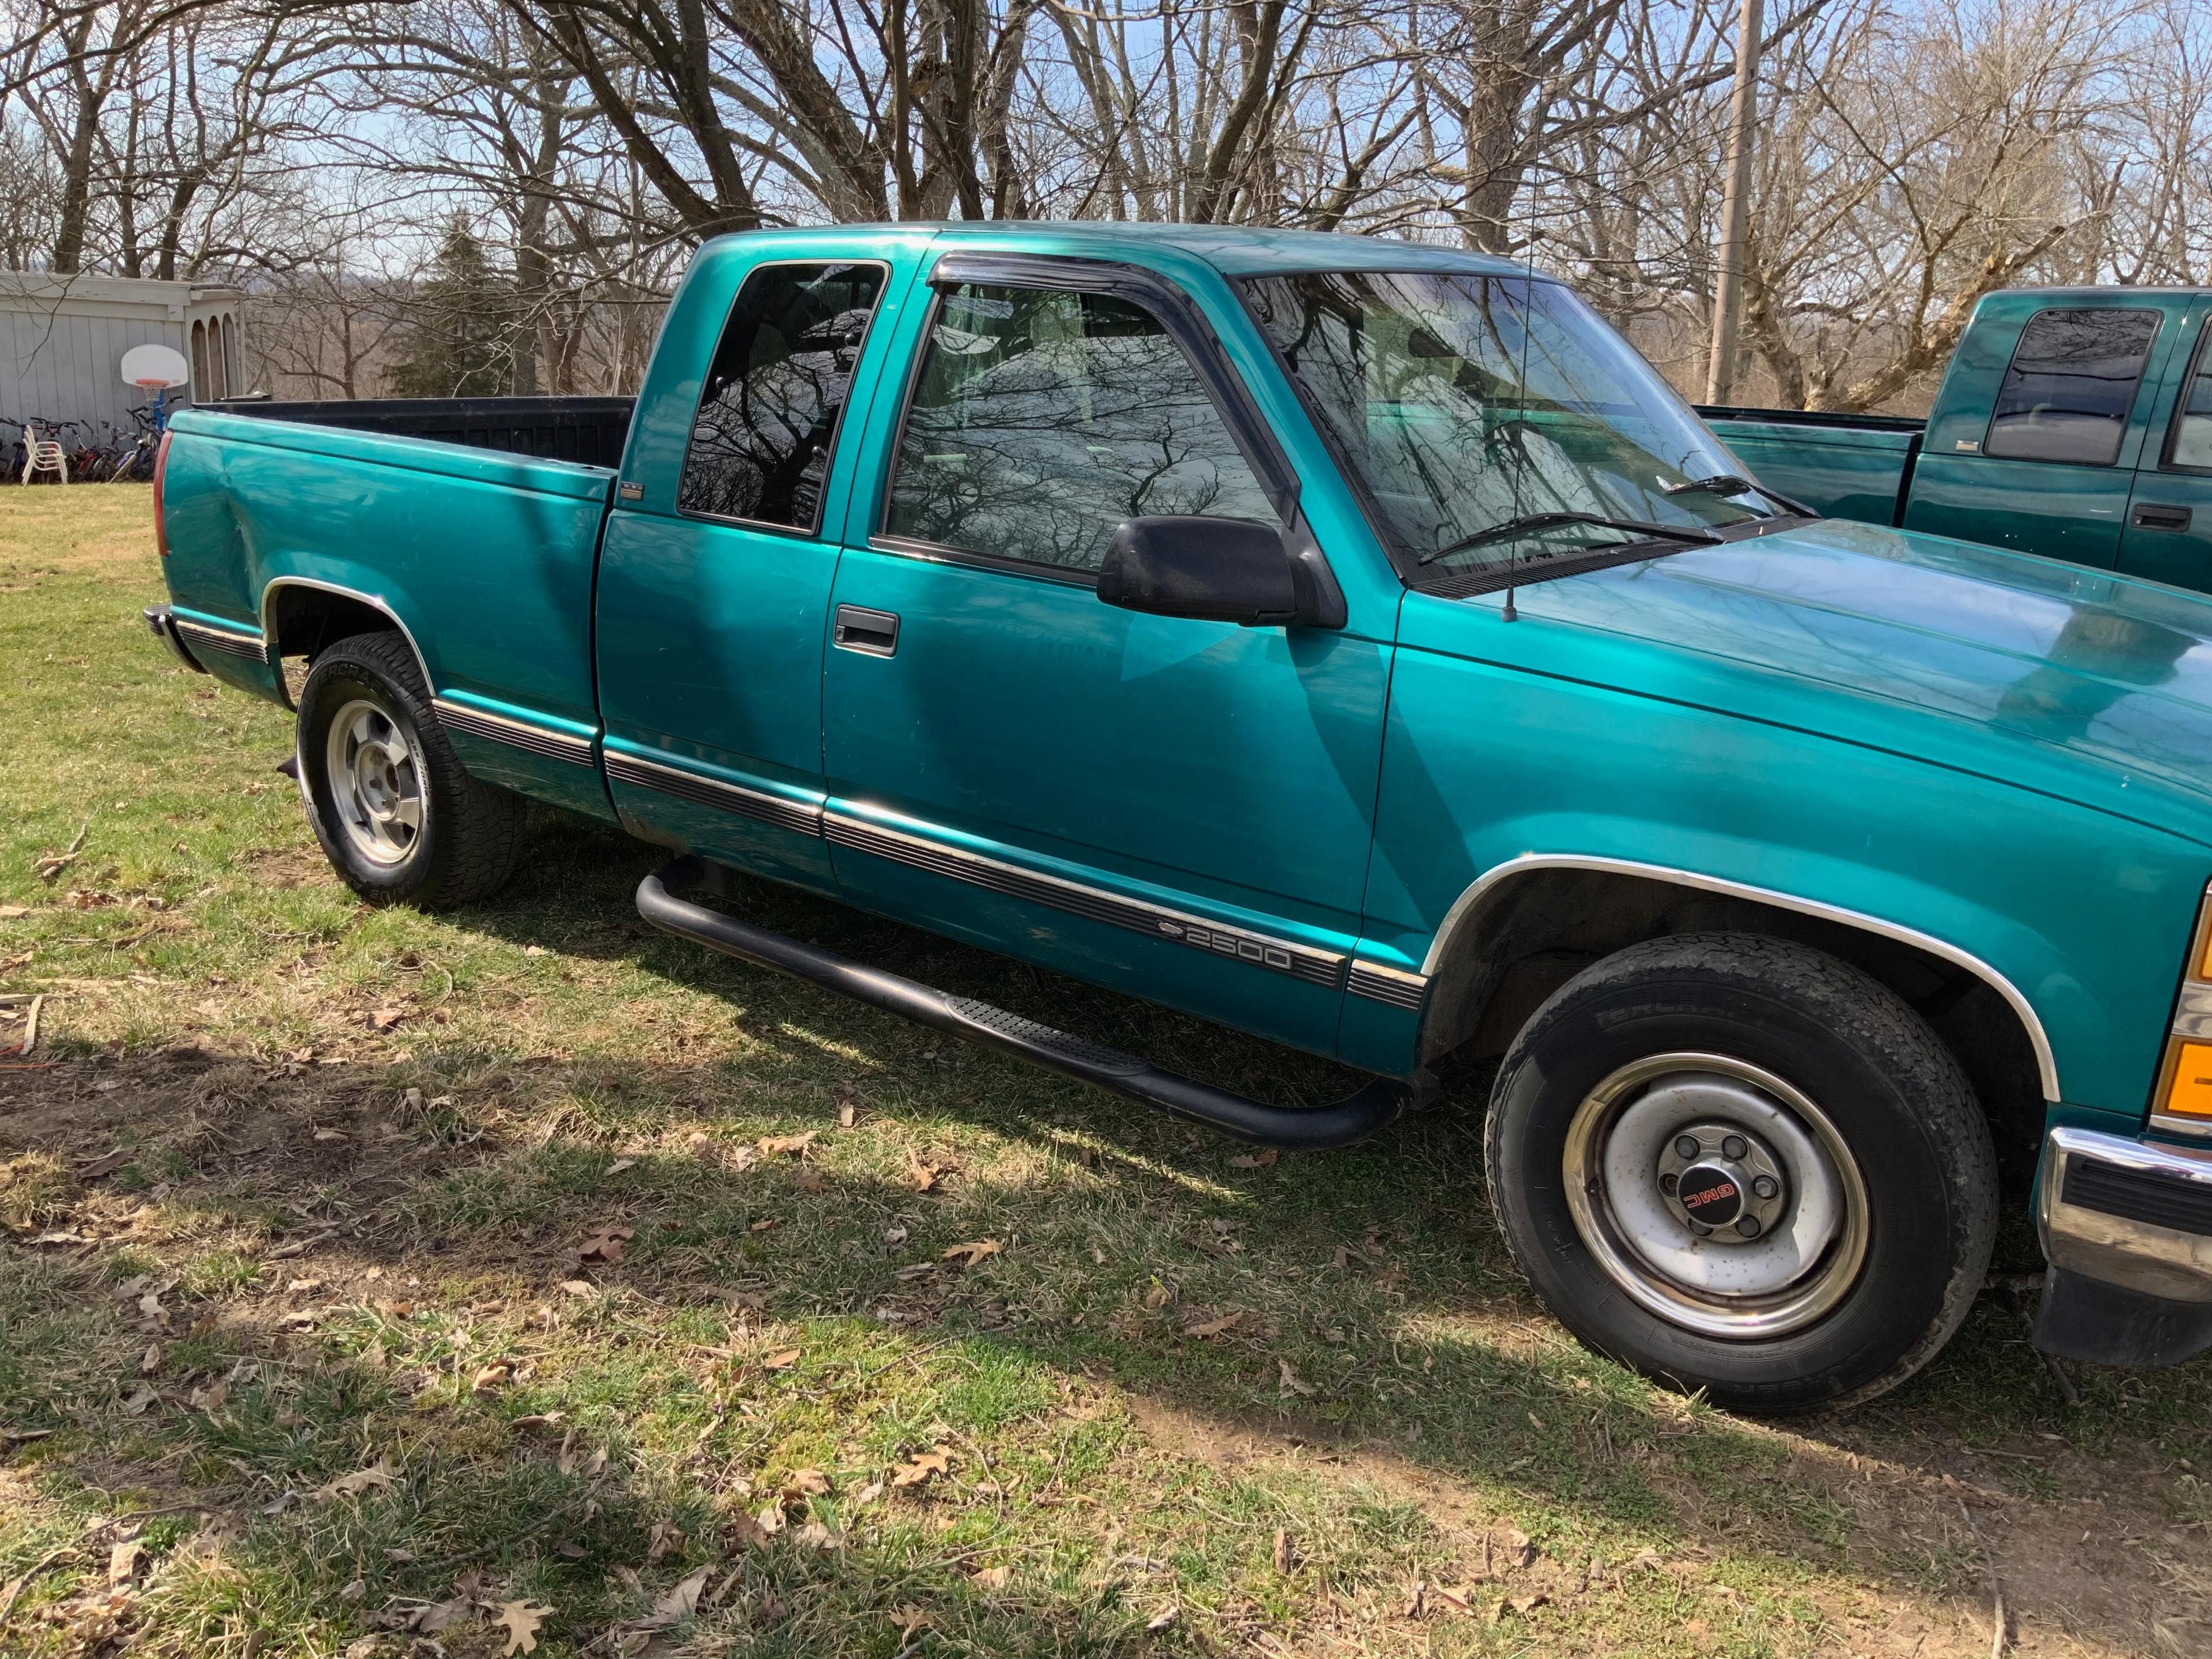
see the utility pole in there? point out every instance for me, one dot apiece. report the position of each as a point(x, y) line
point(1735, 204)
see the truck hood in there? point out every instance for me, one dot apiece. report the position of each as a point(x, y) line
point(2087, 685)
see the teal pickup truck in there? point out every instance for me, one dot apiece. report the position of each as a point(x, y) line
point(2072, 422)
point(1351, 642)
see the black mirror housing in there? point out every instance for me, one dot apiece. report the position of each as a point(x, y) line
point(1230, 570)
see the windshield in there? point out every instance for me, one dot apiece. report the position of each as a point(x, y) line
point(1466, 404)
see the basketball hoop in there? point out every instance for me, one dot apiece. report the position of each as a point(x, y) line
point(159, 369)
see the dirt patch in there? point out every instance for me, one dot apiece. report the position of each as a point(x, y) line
point(2066, 1595)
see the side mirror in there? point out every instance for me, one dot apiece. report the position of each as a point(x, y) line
point(1209, 569)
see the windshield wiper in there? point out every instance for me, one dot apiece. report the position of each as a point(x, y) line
point(1533, 521)
point(1721, 483)
point(1735, 483)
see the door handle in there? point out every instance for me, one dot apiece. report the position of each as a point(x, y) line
point(872, 633)
point(2150, 515)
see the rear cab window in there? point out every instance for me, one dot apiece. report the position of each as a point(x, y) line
point(769, 407)
point(2071, 385)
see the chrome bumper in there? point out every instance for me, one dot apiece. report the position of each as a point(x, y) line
point(2128, 1212)
point(163, 627)
point(2127, 1227)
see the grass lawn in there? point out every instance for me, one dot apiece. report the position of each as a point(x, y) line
point(380, 1283)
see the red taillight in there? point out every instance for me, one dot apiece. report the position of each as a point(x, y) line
point(161, 466)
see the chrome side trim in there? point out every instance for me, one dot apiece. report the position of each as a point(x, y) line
point(516, 734)
point(2047, 1063)
point(231, 644)
point(1392, 985)
point(2128, 1212)
point(798, 816)
point(374, 601)
point(1280, 956)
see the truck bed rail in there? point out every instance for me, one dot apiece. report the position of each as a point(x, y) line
point(592, 431)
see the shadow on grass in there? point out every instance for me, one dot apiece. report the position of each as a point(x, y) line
point(1358, 1301)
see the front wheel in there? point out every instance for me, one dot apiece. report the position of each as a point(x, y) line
point(398, 815)
point(1739, 1164)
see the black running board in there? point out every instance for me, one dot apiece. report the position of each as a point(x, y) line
point(1360, 1115)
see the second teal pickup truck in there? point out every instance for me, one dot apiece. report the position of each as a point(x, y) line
point(1354, 643)
point(2072, 422)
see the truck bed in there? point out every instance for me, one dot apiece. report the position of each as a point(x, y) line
point(1853, 467)
point(592, 431)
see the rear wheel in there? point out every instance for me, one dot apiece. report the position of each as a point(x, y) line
point(1740, 1165)
point(398, 815)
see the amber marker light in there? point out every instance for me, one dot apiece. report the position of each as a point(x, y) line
point(2183, 1098)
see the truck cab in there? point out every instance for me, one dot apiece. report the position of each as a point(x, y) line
point(2073, 424)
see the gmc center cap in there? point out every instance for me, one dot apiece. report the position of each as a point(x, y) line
point(1709, 1194)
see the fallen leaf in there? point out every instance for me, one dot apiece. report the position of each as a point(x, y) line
point(991, 1577)
point(745, 1531)
point(816, 1536)
point(579, 1287)
point(678, 1603)
point(781, 1361)
point(1291, 1382)
point(125, 1560)
point(107, 1163)
point(303, 1287)
point(12, 912)
point(355, 1590)
point(1158, 1297)
point(332, 1134)
point(605, 1243)
point(845, 1114)
point(1286, 1557)
point(620, 1164)
point(141, 1397)
point(1255, 1160)
point(665, 1541)
point(971, 1253)
point(377, 1475)
point(387, 1017)
point(492, 1377)
point(151, 1361)
point(211, 1398)
point(522, 1621)
point(915, 1270)
point(806, 1483)
point(1162, 1620)
point(777, 1145)
point(919, 1467)
point(540, 1421)
point(1460, 1596)
point(57, 1236)
point(1646, 1560)
point(1215, 1327)
point(923, 1177)
point(894, 1237)
point(1520, 1548)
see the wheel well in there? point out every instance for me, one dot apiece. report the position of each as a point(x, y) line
point(1540, 929)
point(304, 622)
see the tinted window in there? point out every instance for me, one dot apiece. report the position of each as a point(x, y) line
point(2070, 384)
point(1040, 421)
point(2192, 428)
point(767, 415)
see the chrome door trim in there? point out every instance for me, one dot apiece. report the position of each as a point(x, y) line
point(1280, 956)
point(2047, 1063)
point(233, 640)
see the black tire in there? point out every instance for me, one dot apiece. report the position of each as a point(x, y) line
point(1886, 1088)
point(469, 835)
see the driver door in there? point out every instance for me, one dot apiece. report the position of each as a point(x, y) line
point(1181, 809)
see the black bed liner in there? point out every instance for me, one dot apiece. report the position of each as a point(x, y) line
point(592, 431)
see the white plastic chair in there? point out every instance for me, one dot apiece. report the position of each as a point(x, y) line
point(42, 455)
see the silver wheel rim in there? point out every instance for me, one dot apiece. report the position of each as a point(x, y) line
point(1631, 1179)
point(376, 784)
